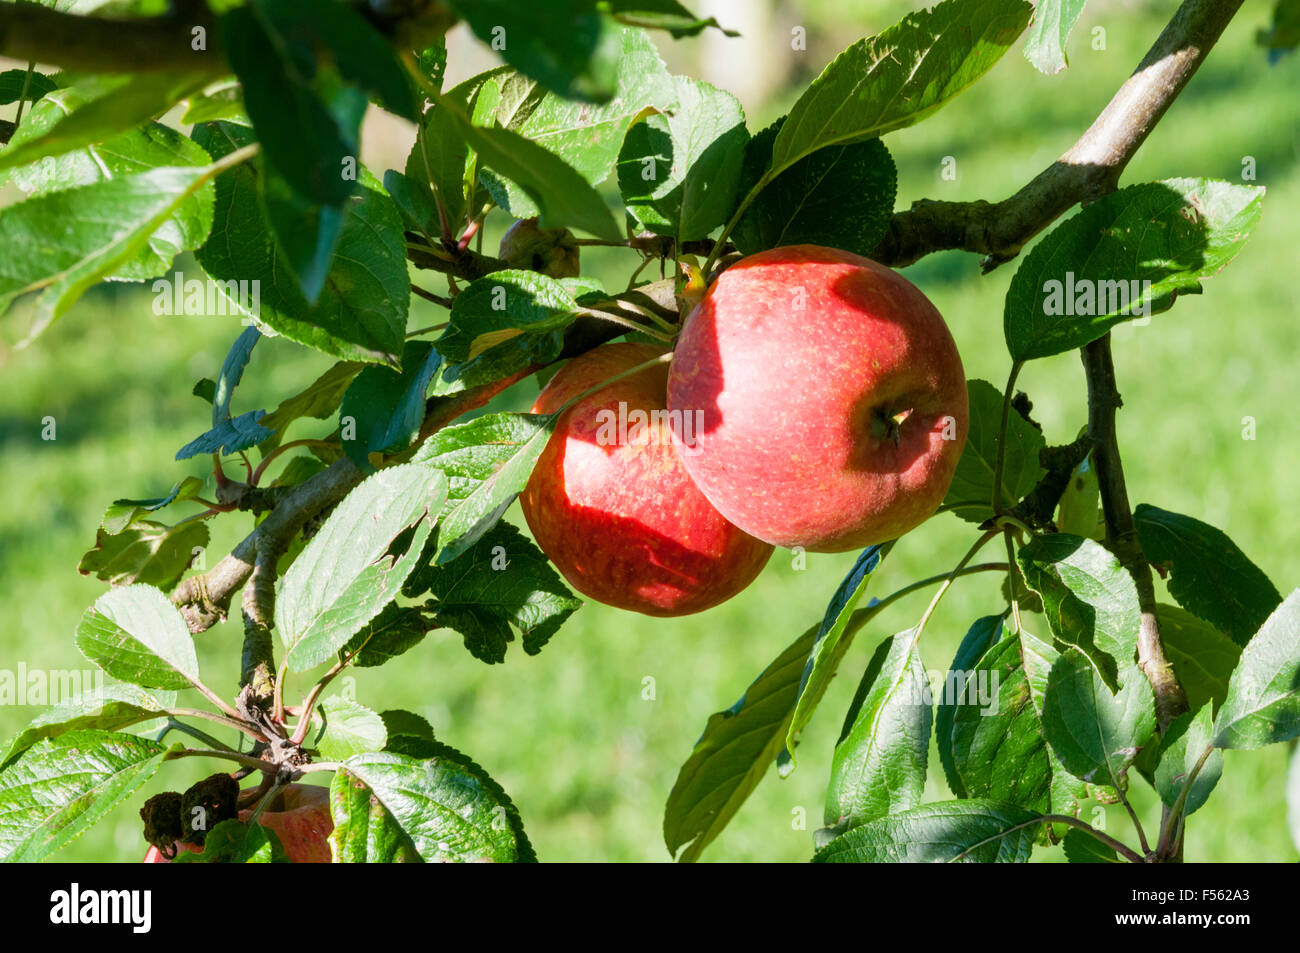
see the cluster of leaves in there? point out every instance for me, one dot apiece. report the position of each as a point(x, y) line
point(267, 189)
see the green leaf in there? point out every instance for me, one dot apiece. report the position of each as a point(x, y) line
point(122, 513)
point(980, 637)
point(1127, 254)
point(1293, 790)
point(103, 227)
point(833, 639)
point(1045, 44)
point(450, 809)
point(662, 15)
point(110, 707)
point(734, 752)
point(364, 832)
point(135, 634)
point(237, 842)
point(13, 82)
point(679, 173)
point(148, 146)
point(387, 406)
point(996, 735)
point(319, 400)
point(1089, 599)
point(399, 723)
point(971, 491)
point(880, 763)
point(1263, 703)
point(232, 371)
point(229, 436)
point(1082, 848)
point(361, 313)
point(1184, 741)
point(395, 630)
point(1282, 36)
point(562, 197)
point(61, 787)
point(93, 110)
point(415, 202)
point(342, 728)
point(570, 46)
point(1208, 574)
point(222, 100)
point(503, 580)
point(146, 552)
point(1203, 657)
point(899, 77)
point(438, 162)
point(362, 55)
point(841, 197)
point(487, 462)
point(504, 322)
point(1078, 512)
point(585, 137)
point(971, 831)
point(1095, 733)
point(1067, 791)
point(301, 138)
point(351, 568)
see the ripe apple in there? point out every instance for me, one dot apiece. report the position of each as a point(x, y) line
point(303, 823)
point(611, 505)
point(833, 399)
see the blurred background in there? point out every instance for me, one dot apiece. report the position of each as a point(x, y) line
point(588, 736)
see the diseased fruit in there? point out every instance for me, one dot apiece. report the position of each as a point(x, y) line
point(302, 821)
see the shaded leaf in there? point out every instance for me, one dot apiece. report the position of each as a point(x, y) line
point(1129, 253)
point(971, 831)
point(1208, 574)
point(971, 492)
point(732, 755)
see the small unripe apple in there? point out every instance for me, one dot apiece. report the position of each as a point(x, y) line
point(833, 399)
point(610, 502)
point(302, 822)
point(552, 251)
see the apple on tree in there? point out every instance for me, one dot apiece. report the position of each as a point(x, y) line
point(611, 504)
point(833, 399)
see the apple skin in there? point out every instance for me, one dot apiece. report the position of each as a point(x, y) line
point(303, 826)
point(798, 358)
point(622, 521)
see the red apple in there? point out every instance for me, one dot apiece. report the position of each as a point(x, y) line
point(833, 399)
point(610, 502)
point(303, 825)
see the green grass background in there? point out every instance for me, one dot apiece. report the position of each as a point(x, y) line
point(588, 736)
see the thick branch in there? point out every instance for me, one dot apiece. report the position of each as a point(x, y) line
point(1121, 532)
point(1088, 169)
point(102, 45)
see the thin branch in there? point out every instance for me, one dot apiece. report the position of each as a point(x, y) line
point(1121, 532)
point(1088, 169)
